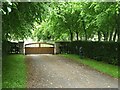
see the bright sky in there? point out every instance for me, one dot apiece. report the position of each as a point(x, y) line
point(29, 40)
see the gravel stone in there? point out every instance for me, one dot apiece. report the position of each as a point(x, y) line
point(53, 71)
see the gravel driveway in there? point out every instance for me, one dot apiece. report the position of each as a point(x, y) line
point(52, 71)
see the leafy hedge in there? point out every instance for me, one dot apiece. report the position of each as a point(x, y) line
point(5, 47)
point(101, 51)
point(9, 47)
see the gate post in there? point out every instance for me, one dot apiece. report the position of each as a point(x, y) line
point(57, 49)
point(21, 47)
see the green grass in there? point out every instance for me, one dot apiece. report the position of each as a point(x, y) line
point(97, 65)
point(0, 72)
point(14, 72)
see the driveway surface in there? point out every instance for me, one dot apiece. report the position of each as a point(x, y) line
point(52, 71)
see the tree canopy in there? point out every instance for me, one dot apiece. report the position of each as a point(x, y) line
point(62, 20)
point(18, 18)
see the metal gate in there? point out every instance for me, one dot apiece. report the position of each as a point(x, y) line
point(39, 48)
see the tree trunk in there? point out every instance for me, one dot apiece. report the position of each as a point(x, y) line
point(71, 35)
point(118, 26)
point(114, 37)
point(111, 34)
point(77, 35)
point(99, 36)
point(83, 22)
point(105, 36)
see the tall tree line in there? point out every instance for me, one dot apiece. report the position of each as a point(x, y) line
point(80, 21)
point(61, 20)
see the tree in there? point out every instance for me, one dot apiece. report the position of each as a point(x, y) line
point(18, 18)
point(62, 21)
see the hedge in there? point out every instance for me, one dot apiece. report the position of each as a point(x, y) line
point(100, 51)
point(9, 47)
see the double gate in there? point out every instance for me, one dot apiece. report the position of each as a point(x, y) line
point(39, 48)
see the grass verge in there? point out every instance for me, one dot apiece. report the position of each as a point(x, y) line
point(14, 72)
point(99, 66)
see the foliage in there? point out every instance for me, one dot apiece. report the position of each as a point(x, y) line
point(62, 20)
point(83, 20)
point(18, 18)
